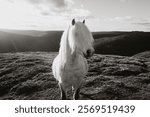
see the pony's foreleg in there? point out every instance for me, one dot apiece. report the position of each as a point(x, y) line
point(76, 94)
point(63, 93)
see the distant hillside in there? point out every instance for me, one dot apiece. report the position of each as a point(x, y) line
point(98, 35)
point(123, 43)
point(118, 43)
point(35, 33)
point(12, 42)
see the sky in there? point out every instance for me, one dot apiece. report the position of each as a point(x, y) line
point(100, 15)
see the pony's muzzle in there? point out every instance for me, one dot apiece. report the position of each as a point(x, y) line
point(89, 53)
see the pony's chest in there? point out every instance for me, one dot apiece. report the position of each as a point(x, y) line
point(78, 69)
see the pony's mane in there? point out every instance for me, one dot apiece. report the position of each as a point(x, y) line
point(64, 46)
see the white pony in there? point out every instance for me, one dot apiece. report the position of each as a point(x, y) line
point(70, 65)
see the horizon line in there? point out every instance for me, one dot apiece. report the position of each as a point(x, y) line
point(3, 29)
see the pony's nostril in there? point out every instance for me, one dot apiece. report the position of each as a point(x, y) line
point(88, 52)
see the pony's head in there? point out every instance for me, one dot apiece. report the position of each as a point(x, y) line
point(80, 39)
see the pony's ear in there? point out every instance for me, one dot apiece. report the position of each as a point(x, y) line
point(73, 22)
point(83, 21)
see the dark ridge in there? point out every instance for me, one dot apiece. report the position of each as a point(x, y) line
point(114, 43)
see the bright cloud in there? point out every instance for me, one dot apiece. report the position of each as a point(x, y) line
point(42, 14)
point(57, 14)
point(64, 8)
point(57, 3)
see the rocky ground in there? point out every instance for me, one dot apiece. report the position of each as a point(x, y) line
point(29, 76)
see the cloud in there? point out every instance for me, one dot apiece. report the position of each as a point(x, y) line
point(47, 6)
point(56, 3)
point(145, 24)
point(118, 18)
point(140, 21)
point(77, 13)
point(63, 8)
point(41, 14)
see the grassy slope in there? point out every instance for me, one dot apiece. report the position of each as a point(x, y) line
point(123, 43)
point(29, 76)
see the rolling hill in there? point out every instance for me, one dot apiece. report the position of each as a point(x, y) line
point(35, 33)
point(116, 43)
point(123, 43)
point(12, 42)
